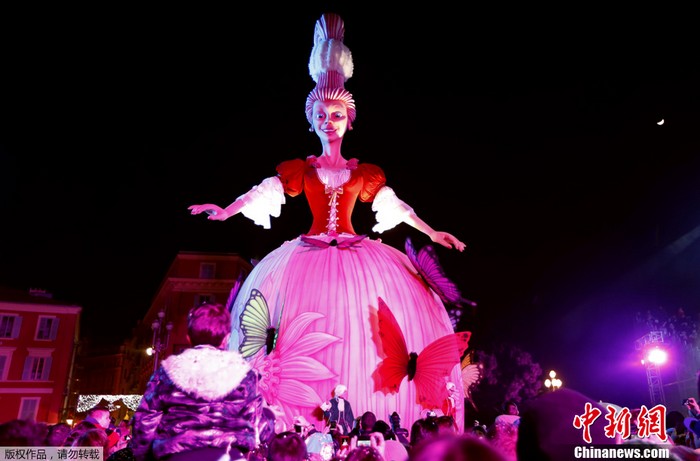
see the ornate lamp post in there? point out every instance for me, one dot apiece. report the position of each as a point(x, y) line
point(553, 383)
point(160, 341)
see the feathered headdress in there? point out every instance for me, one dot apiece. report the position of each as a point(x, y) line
point(330, 65)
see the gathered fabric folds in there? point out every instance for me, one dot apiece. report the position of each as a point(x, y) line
point(322, 300)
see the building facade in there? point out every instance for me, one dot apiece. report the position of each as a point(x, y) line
point(38, 341)
point(111, 376)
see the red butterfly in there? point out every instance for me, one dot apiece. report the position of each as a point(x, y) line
point(346, 243)
point(427, 265)
point(428, 370)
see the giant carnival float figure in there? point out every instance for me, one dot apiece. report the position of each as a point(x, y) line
point(334, 306)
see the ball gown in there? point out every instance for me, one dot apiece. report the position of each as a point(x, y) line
point(318, 294)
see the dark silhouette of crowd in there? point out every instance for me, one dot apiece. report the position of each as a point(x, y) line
point(542, 430)
point(204, 404)
point(96, 430)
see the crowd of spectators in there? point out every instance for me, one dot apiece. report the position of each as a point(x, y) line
point(204, 405)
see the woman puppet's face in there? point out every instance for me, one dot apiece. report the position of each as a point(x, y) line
point(330, 119)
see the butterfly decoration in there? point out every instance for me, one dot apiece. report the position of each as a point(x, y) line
point(237, 286)
point(426, 263)
point(428, 369)
point(345, 243)
point(471, 376)
point(256, 326)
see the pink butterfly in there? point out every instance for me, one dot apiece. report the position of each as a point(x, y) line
point(427, 265)
point(427, 369)
point(345, 243)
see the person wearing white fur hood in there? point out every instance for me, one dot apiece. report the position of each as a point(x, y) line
point(202, 404)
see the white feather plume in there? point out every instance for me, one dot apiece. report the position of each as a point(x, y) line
point(328, 55)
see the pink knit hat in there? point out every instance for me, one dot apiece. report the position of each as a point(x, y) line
point(330, 65)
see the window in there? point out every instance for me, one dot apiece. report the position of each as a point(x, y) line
point(47, 328)
point(36, 368)
point(9, 326)
point(4, 365)
point(28, 408)
point(207, 270)
point(5, 361)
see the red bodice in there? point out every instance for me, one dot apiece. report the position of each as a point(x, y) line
point(299, 176)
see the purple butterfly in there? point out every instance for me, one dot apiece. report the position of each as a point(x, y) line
point(237, 286)
point(234, 291)
point(426, 263)
point(346, 243)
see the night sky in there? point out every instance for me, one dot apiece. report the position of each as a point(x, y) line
point(532, 136)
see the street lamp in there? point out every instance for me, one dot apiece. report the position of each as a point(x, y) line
point(553, 383)
point(159, 342)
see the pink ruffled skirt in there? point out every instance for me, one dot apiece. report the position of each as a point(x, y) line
point(323, 302)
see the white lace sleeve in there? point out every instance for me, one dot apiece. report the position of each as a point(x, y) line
point(263, 201)
point(390, 210)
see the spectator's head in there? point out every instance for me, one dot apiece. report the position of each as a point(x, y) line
point(79, 429)
point(510, 407)
point(477, 431)
point(367, 421)
point(99, 415)
point(674, 419)
point(364, 453)
point(542, 433)
point(209, 324)
point(395, 420)
point(287, 446)
point(421, 430)
point(385, 429)
point(93, 438)
point(503, 434)
point(455, 447)
point(22, 433)
point(57, 434)
point(446, 423)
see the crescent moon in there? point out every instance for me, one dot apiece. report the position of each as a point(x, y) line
point(661, 122)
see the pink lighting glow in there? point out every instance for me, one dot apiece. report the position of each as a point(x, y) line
point(656, 356)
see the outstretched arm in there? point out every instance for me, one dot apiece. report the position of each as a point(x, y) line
point(257, 204)
point(391, 211)
point(443, 238)
point(215, 212)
